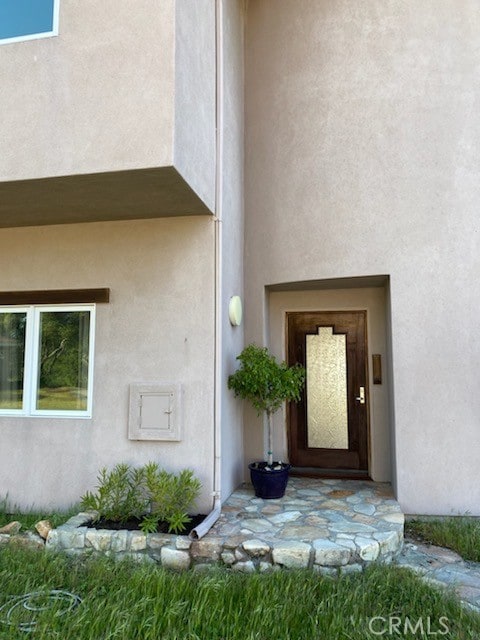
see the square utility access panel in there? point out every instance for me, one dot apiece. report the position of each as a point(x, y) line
point(154, 412)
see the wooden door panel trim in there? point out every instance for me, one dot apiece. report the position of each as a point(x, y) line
point(348, 459)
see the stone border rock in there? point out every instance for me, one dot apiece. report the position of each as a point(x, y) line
point(26, 540)
point(249, 555)
point(11, 535)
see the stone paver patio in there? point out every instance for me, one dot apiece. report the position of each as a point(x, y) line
point(321, 523)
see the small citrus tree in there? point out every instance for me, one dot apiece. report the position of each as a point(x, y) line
point(266, 384)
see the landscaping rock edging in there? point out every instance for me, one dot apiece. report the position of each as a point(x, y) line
point(246, 555)
point(26, 540)
point(330, 526)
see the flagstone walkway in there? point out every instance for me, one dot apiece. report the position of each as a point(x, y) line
point(444, 568)
point(324, 524)
point(334, 525)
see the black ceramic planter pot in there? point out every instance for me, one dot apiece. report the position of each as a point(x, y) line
point(269, 484)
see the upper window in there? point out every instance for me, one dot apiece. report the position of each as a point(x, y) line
point(27, 19)
point(46, 360)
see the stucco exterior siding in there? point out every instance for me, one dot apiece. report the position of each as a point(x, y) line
point(97, 97)
point(157, 328)
point(362, 158)
point(125, 86)
point(159, 160)
point(306, 155)
point(195, 87)
point(231, 175)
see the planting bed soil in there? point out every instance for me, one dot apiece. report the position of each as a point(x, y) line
point(134, 524)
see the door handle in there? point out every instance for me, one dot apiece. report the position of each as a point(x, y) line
point(361, 396)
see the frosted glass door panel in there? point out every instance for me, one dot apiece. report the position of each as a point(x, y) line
point(327, 417)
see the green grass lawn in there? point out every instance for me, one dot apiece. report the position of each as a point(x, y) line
point(460, 533)
point(28, 519)
point(132, 601)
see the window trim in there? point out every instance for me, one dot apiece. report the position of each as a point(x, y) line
point(54, 296)
point(32, 352)
point(42, 34)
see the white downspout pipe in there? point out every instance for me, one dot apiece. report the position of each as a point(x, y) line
point(213, 516)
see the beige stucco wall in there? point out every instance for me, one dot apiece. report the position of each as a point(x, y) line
point(373, 301)
point(126, 84)
point(363, 158)
point(158, 327)
point(97, 97)
point(147, 98)
point(231, 228)
point(194, 138)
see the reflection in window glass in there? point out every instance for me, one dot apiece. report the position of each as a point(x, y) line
point(62, 381)
point(12, 359)
point(26, 19)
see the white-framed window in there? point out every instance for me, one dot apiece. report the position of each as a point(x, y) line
point(28, 19)
point(46, 360)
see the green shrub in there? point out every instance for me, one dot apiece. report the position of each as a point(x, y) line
point(120, 494)
point(170, 496)
point(148, 493)
point(266, 384)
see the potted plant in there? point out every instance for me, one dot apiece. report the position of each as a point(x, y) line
point(267, 385)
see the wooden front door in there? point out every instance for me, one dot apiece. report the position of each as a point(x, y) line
point(328, 428)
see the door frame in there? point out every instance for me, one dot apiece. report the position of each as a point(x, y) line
point(354, 462)
point(370, 293)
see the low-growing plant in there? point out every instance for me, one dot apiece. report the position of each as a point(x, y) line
point(149, 494)
point(170, 495)
point(120, 494)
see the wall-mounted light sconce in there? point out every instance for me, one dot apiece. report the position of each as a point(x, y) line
point(235, 311)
